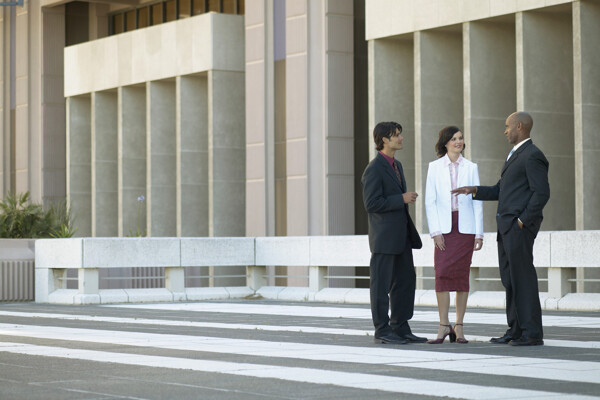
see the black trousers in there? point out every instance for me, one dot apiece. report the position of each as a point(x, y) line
point(515, 256)
point(392, 289)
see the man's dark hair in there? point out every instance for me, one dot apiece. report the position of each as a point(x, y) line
point(445, 136)
point(384, 129)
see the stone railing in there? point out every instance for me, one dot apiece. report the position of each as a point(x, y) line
point(561, 253)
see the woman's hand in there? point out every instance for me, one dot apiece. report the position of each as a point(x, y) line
point(438, 242)
point(478, 244)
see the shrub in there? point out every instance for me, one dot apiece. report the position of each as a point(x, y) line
point(19, 219)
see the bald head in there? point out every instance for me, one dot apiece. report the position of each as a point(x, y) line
point(518, 127)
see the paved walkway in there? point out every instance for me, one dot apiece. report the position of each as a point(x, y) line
point(272, 350)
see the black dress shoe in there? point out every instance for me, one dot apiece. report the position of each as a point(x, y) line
point(390, 338)
point(524, 341)
point(412, 338)
point(502, 340)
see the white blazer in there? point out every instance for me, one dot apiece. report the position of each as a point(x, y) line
point(438, 201)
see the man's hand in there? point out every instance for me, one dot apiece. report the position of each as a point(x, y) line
point(464, 190)
point(478, 244)
point(410, 197)
point(438, 242)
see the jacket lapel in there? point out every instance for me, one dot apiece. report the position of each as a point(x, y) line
point(514, 157)
point(389, 170)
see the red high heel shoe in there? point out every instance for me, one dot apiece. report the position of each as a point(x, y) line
point(449, 331)
point(460, 339)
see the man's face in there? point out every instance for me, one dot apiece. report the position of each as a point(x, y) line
point(394, 142)
point(511, 130)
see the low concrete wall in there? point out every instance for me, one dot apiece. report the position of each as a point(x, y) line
point(559, 252)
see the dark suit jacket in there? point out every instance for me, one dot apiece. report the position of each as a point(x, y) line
point(522, 191)
point(389, 221)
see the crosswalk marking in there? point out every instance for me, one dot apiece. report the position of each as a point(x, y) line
point(555, 369)
point(352, 312)
point(296, 374)
point(271, 328)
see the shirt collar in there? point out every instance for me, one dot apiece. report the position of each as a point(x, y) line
point(447, 160)
point(521, 143)
point(389, 159)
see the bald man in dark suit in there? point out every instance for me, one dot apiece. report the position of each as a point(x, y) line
point(392, 236)
point(522, 192)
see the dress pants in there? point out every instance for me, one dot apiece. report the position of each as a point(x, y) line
point(392, 287)
point(515, 256)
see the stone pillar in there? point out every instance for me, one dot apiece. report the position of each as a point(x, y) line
point(586, 74)
point(489, 97)
point(104, 164)
point(53, 156)
point(4, 102)
point(392, 98)
point(24, 139)
point(260, 119)
point(192, 156)
point(545, 89)
point(160, 159)
point(226, 163)
point(79, 160)
point(586, 34)
point(132, 161)
point(438, 100)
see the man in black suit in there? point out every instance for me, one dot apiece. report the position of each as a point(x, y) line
point(522, 192)
point(392, 236)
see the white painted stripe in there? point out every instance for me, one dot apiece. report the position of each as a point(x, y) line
point(270, 328)
point(357, 313)
point(295, 374)
point(523, 367)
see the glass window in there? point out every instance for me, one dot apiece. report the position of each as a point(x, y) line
point(185, 8)
point(214, 5)
point(118, 23)
point(170, 11)
point(199, 7)
point(143, 17)
point(130, 20)
point(229, 6)
point(157, 14)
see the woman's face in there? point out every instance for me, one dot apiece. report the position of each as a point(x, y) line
point(456, 144)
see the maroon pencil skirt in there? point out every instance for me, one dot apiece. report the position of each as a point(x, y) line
point(452, 265)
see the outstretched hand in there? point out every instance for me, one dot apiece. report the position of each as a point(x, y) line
point(464, 190)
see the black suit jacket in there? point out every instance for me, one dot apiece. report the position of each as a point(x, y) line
point(389, 220)
point(522, 191)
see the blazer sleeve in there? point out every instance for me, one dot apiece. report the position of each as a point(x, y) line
point(537, 177)
point(373, 196)
point(431, 199)
point(477, 204)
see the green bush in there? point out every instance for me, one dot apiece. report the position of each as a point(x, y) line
point(19, 219)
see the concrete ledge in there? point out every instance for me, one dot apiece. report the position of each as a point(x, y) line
point(270, 292)
point(131, 252)
point(149, 295)
point(239, 292)
point(332, 295)
point(210, 293)
point(580, 302)
point(288, 250)
point(196, 252)
point(358, 296)
point(63, 296)
point(111, 296)
point(339, 250)
point(294, 294)
point(487, 300)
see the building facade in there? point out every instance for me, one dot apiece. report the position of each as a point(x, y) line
point(253, 118)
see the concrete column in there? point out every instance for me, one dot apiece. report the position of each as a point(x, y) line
point(52, 114)
point(586, 73)
point(160, 159)
point(586, 76)
point(23, 135)
point(260, 119)
point(192, 156)
point(489, 97)
point(438, 99)
point(227, 160)
point(545, 89)
point(79, 161)
point(132, 161)
point(104, 164)
point(4, 103)
point(392, 97)
point(226, 163)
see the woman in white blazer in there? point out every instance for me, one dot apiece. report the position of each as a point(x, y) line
point(456, 226)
